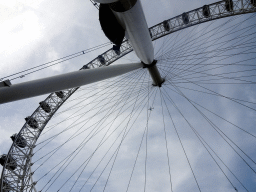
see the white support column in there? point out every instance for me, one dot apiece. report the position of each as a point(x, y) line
point(136, 28)
point(64, 81)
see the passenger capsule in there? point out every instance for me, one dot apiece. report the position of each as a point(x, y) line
point(32, 122)
point(85, 67)
point(116, 49)
point(150, 33)
point(6, 186)
point(45, 106)
point(206, 11)
point(11, 163)
point(20, 141)
point(60, 94)
point(253, 2)
point(229, 5)
point(166, 25)
point(185, 18)
point(101, 60)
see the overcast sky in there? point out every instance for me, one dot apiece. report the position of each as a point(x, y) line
point(36, 32)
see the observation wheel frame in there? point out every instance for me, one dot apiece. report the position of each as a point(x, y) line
point(20, 179)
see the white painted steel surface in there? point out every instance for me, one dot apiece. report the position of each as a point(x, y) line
point(62, 82)
point(136, 28)
point(105, 1)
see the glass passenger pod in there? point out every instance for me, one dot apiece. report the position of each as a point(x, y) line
point(150, 33)
point(116, 49)
point(32, 122)
point(19, 140)
point(253, 2)
point(10, 162)
point(206, 11)
point(85, 67)
point(60, 94)
point(102, 60)
point(185, 18)
point(229, 5)
point(6, 187)
point(45, 106)
point(166, 25)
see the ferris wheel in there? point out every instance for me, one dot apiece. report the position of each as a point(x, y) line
point(167, 108)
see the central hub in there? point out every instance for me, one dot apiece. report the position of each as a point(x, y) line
point(154, 73)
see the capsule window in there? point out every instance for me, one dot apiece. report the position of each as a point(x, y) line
point(11, 163)
point(185, 18)
point(45, 106)
point(150, 33)
point(32, 122)
point(116, 49)
point(206, 11)
point(6, 185)
point(19, 140)
point(85, 67)
point(253, 2)
point(60, 94)
point(101, 60)
point(229, 5)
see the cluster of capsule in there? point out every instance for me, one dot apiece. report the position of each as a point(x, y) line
point(229, 6)
point(7, 160)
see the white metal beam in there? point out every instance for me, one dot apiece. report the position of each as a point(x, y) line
point(136, 29)
point(62, 82)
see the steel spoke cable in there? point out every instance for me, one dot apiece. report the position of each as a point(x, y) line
point(74, 134)
point(120, 143)
point(125, 131)
point(212, 94)
point(108, 150)
point(82, 126)
point(85, 119)
point(142, 138)
point(145, 131)
point(187, 49)
point(216, 40)
point(80, 123)
point(114, 84)
point(218, 28)
point(215, 55)
point(79, 109)
point(66, 58)
point(218, 94)
point(166, 143)
point(216, 33)
point(146, 141)
point(201, 139)
point(197, 134)
point(116, 149)
point(103, 136)
point(60, 173)
point(236, 47)
point(220, 75)
point(181, 47)
point(183, 148)
point(109, 135)
point(218, 130)
point(112, 98)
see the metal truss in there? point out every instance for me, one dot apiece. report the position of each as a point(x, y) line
point(17, 174)
point(203, 14)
